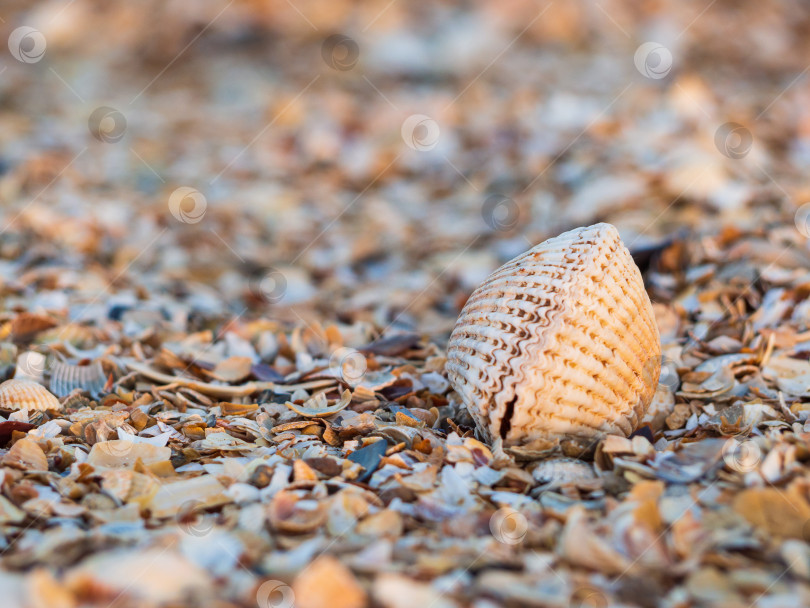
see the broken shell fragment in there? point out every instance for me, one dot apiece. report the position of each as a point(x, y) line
point(557, 472)
point(18, 394)
point(26, 454)
point(558, 344)
point(122, 454)
point(319, 407)
point(287, 516)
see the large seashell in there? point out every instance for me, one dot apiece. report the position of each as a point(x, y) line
point(560, 344)
point(18, 394)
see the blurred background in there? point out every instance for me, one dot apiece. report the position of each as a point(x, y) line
point(374, 161)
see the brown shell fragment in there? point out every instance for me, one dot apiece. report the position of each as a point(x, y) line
point(26, 325)
point(319, 407)
point(558, 344)
point(18, 394)
point(286, 517)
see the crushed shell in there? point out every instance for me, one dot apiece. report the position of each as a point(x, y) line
point(708, 507)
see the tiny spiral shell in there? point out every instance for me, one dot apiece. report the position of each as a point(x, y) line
point(560, 344)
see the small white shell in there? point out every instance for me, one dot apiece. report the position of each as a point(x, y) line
point(558, 344)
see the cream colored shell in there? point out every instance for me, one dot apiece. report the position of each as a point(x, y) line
point(19, 394)
point(558, 344)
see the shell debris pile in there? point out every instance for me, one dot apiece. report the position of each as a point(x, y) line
point(236, 241)
point(249, 479)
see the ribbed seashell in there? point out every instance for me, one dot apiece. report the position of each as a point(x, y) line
point(65, 378)
point(559, 344)
point(18, 394)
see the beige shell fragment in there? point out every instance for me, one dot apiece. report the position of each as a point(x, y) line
point(171, 577)
point(9, 512)
point(128, 486)
point(26, 454)
point(19, 394)
point(580, 545)
point(558, 344)
point(318, 406)
point(286, 516)
point(328, 582)
point(123, 454)
point(196, 493)
point(557, 472)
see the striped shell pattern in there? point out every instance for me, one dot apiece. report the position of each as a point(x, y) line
point(18, 394)
point(559, 343)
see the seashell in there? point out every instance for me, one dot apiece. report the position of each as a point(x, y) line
point(74, 334)
point(126, 485)
point(318, 406)
point(26, 325)
point(18, 394)
point(9, 513)
point(398, 434)
point(327, 581)
point(556, 472)
point(26, 454)
point(303, 472)
point(222, 442)
point(559, 344)
point(660, 408)
point(76, 400)
point(287, 517)
point(31, 366)
point(199, 493)
point(123, 454)
point(472, 451)
point(173, 576)
point(65, 378)
point(232, 369)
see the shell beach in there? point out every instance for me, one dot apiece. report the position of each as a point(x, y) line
point(387, 304)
